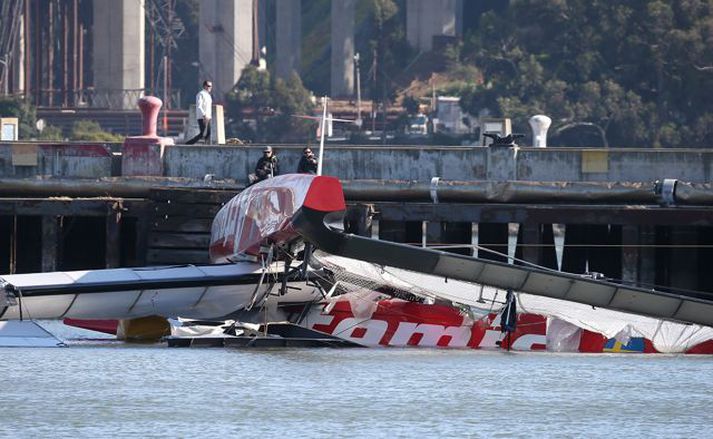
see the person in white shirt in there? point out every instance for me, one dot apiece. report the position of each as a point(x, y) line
point(204, 104)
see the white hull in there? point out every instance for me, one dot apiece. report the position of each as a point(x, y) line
point(198, 292)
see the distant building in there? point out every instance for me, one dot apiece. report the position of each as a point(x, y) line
point(449, 116)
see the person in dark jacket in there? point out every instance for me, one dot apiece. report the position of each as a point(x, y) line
point(268, 166)
point(308, 162)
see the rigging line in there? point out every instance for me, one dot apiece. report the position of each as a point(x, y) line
point(402, 313)
point(19, 299)
point(408, 289)
point(657, 287)
point(464, 245)
point(228, 41)
point(453, 299)
point(447, 296)
point(150, 7)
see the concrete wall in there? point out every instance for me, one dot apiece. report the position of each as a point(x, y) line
point(225, 42)
point(67, 160)
point(78, 160)
point(118, 50)
point(583, 164)
point(342, 74)
point(346, 163)
point(458, 163)
point(426, 18)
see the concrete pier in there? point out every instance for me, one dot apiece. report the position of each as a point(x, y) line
point(225, 42)
point(118, 51)
point(426, 19)
point(342, 75)
point(288, 38)
point(457, 163)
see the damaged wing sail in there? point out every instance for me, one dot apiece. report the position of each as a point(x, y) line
point(537, 281)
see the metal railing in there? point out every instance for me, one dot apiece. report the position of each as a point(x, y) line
point(114, 99)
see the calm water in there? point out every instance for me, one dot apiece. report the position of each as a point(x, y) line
point(100, 389)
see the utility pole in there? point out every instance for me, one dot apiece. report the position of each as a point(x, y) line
point(374, 92)
point(358, 121)
point(5, 73)
point(165, 94)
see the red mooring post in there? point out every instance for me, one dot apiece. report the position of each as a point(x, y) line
point(143, 155)
point(150, 106)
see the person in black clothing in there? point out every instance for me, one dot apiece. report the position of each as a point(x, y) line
point(308, 162)
point(268, 165)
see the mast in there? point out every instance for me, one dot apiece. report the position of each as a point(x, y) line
point(323, 127)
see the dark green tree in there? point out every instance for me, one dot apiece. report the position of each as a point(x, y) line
point(387, 52)
point(636, 73)
point(261, 109)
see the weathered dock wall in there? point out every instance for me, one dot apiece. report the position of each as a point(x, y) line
point(76, 160)
point(457, 163)
point(64, 160)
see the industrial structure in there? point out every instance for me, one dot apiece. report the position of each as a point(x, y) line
point(107, 53)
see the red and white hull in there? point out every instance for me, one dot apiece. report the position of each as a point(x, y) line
point(397, 323)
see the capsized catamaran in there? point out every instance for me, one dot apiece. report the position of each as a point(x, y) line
point(276, 259)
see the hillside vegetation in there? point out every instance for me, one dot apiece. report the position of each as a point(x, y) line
point(637, 73)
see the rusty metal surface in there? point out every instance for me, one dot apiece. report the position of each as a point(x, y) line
point(66, 206)
point(694, 193)
point(544, 213)
point(446, 191)
point(516, 192)
point(136, 187)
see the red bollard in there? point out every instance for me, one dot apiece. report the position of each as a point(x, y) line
point(143, 155)
point(150, 106)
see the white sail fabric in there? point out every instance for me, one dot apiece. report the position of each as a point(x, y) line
point(666, 336)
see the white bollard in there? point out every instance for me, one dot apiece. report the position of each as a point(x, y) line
point(540, 124)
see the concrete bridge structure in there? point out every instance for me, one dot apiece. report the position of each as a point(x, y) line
point(227, 40)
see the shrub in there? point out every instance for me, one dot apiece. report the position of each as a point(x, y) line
point(92, 131)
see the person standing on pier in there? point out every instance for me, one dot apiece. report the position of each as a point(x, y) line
point(308, 162)
point(204, 105)
point(268, 166)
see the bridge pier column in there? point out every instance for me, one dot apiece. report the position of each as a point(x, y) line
point(288, 37)
point(225, 42)
point(118, 50)
point(342, 77)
